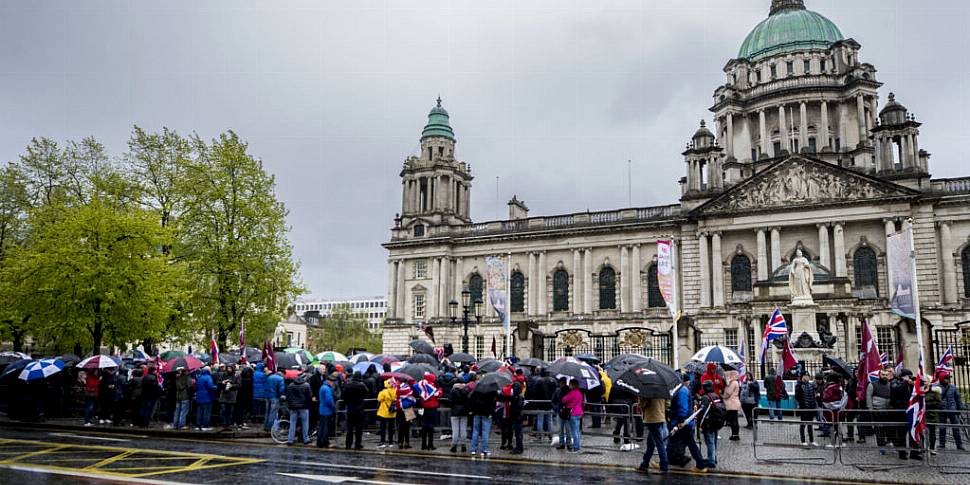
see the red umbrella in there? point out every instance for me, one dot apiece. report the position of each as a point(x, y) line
point(397, 375)
point(186, 362)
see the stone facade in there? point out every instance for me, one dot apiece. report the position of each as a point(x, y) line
point(802, 159)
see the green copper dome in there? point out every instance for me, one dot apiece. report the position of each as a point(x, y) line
point(789, 28)
point(438, 123)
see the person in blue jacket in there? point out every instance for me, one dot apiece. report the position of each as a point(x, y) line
point(274, 390)
point(259, 390)
point(327, 408)
point(682, 428)
point(205, 395)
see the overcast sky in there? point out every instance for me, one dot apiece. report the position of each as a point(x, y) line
point(550, 96)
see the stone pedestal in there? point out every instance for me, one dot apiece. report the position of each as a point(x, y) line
point(803, 320)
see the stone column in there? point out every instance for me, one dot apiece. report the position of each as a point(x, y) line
point(433, 296)
point(775, 249)
point(459, 279)
point(763, 270)
point(542, 284)
point(392, 289)
point(839, 234)
point(763, 127)
point(916, 159)
point(705, 270)
point(890, 226)
point(824, 256)
point(948, 267)
point(443, 299)
point(401, 291)
point(729, 143)
point(802, 126)
point(532, 283)
point(577, 283)
point(783, 129)
point(588, 285)
point(717, 266)
point(907, 152)
point(823, 140)
point(844, 125)
point(624, 280)
point(861, 115)
point(635, 296)
point(878, 154)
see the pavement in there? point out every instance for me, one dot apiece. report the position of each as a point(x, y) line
point(227, 457)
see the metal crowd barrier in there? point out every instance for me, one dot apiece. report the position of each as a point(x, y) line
point(885, 438)
point(787, 440)
point(945, 454)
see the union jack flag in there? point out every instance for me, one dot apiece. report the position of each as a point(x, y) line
point(426, 390)
point(915, 414)
point(884, 358)
point(776, 328)
point(946, 361)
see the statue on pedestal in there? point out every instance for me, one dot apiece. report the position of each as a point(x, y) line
point(800, 279)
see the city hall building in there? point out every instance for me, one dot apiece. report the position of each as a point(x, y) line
point(801, 156)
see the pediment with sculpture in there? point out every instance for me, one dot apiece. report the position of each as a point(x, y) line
point(799, 181)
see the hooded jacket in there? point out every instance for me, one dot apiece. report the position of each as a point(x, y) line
point(805, 395)
point(259, 382)
point(459, 400)
point(354, 394)
point(275, 386)
point(327, 405)
point(428, 392)
point(205, 389)
point(385, 401)
point(298, 394)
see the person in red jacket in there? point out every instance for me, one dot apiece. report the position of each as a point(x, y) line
point(89, 379)
point(712, 375)
point(429, 393)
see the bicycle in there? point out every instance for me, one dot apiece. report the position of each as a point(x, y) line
point(281, 430)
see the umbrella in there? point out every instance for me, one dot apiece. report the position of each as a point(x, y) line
point(363, 366)
point(136, 354)
point(361, 357)
point(492, 382)
point(532, 362)
point(422, 346)
point(397, 375)
point(396, 366)
point(69, 360)
point(171, 354)
point(15, 368)
point(423, 359)
point(462, 358)
point(97, 362)
point(716, 353)
point(186, 362)
point(330, 356)
point(839, 365)
point(9, 358)
point(18, 355)
point(622, 363)
point(41, 369)
point(649, 380)
point(417, 371)
point(229, 357)
point(382, 358)
point(589, 359)
point(490, 365)
point(291, 361)
point(573, 368)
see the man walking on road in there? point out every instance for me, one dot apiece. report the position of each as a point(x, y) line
point(682, 422)
point(655, 420)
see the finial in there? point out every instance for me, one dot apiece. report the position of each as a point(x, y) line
point(703, 124)
point(892, 97)
point(782, 5)
point(439, 100)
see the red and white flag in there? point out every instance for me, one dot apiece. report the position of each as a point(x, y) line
point(269, 358)
point(214, 348)
point(869, 362)
point(788, 359)
point(242, 342)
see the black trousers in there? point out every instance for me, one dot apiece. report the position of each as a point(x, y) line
point(355, 429)
point(732, 421)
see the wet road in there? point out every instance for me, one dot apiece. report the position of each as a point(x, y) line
point(43, 457)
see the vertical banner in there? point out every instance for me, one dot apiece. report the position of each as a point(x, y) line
point(497, 273)
point(667, 283)
point(901, 277)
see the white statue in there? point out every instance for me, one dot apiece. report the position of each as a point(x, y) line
point(800, 279)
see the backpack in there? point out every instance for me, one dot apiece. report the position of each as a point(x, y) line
point(715, 416)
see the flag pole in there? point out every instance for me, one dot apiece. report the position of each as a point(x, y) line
point(508, 308)
point(674, 336)
point(916, 304)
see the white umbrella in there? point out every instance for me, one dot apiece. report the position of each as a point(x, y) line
point(718, 354)
point(97, 362)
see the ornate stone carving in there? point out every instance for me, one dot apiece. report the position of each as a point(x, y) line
point(571, 338)
point(805, 341)
point(634, 338)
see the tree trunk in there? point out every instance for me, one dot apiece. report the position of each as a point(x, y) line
point(98, 332)
point(77, 349)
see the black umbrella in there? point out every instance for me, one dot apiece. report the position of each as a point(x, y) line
point(622, 363)
point(492, 382)
point(423, 359)
point(229, 358)
point(15, 368)
point(422, 346)
point(417, 371)
point(576, 369)
point(589, 359)
point(649, 380)
point(462, 358)
point(839, 365)
point(490, 365)
point(701, 367)
point(69, 360)
point(532, 362)
point(286, 360)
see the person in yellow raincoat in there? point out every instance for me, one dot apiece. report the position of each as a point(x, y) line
point(386, 412)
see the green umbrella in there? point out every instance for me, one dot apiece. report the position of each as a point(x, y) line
point(331, 356)
point(307, 356)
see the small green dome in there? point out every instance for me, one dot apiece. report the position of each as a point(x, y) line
point(438, 123)
point(789, 28)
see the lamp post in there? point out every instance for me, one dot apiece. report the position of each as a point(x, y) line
point(467, 307)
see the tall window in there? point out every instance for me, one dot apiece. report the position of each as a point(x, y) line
point(740, 273)
point(560, 291)
point(654, 298)
point(731, 338)
point(420, 269)
point(866, 275)
point(966, 271)
point(517, 300)
point(607, 288)
point(475, 287)
point(419, 306)
point(480, 346)
point(807, 64)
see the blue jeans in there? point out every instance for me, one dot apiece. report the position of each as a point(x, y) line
point(203, 415)
point(544, 422)
point(481, 429)
point(90, 403)
point(272, 414)
point(299, 416)
point(564, 436)
point(710, 440)
point(574, 431)
point(771, 410)
point(656, 437)
point(181, 412)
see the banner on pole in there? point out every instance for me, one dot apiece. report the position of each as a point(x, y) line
point(666, 277)
point(901, 277)
point(496, 272)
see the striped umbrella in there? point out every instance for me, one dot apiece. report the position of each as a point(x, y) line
point(41, 369)
point(187, 363)
point(97, 362)
point(331, 356)
point(718, 354)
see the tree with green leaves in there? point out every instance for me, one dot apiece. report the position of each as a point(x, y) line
point(13, 233)
point(341, 331)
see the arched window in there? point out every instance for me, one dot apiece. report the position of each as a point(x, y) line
point(740, 273)
point(654, 298)
point(965, 256)
point(475, 287)
point(607, 288)
point(517, 300)
point(866, 274)
point(560, 291)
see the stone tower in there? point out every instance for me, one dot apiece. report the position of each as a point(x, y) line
point(896, 139)
point(705, 160)
point(435, 185)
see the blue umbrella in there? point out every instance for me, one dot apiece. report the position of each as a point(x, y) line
point(363, 366)
point(41, 369)
point(15, 368)
point(718, 354)
point(138, 355)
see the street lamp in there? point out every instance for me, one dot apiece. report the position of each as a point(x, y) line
point(466, 308)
